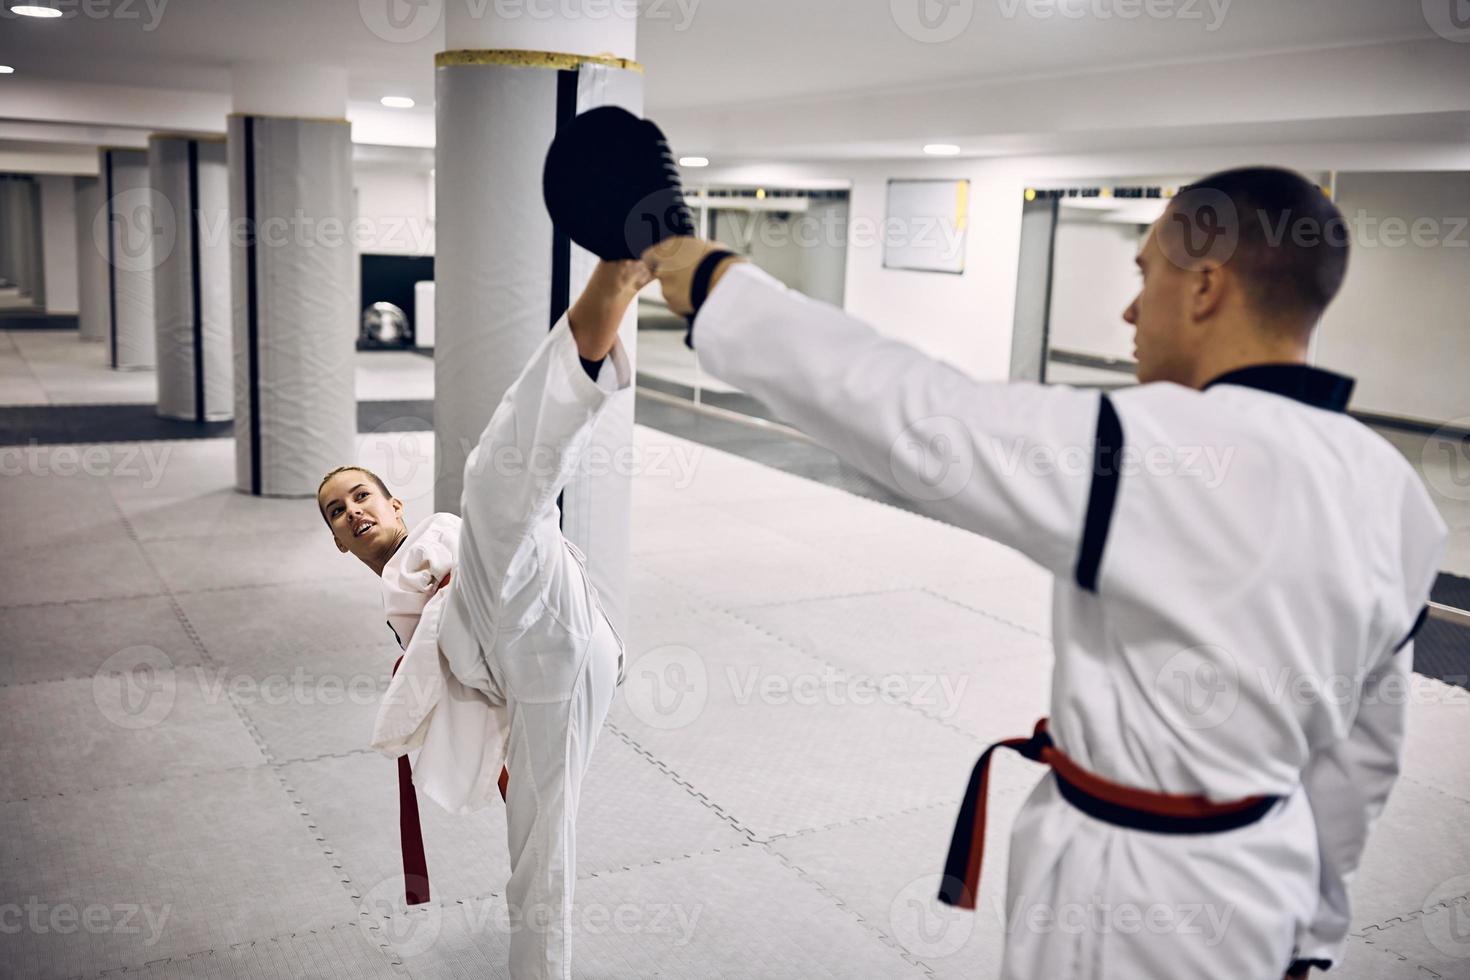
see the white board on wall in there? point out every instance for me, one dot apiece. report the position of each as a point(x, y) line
point(925, 225)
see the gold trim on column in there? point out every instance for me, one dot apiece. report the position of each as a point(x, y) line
point(531, 59)
point(269, 115)
point(201, 137)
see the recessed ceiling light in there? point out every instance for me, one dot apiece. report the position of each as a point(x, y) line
point(694, 161)
point(397, 101)
point(6, 70)
point(941, 149)
point(35, 10)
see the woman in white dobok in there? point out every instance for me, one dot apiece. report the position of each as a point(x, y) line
point(508, 657)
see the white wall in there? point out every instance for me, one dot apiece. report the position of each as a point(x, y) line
point(967, 320)
point(1093, 281)
point(59, 242)
point(1400, 324)
point(394, 210)
point(807, 250)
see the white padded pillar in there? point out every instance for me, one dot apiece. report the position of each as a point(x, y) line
point(501, 277)
point(293, 279)
point(59, 242)
point(133, 219)
point(191, 285)
point(94, 302)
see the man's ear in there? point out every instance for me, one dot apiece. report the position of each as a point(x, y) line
point(1208, 291)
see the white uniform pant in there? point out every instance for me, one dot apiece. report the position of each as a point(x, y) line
point(1087, 900)
point(549, 748)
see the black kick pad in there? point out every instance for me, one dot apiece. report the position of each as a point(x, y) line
point(611, 186)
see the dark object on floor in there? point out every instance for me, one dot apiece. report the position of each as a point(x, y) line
point(16, 320)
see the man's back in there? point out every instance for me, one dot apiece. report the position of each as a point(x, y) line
point(1265, 555)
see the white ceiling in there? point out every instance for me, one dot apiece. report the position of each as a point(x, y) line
point(794, 77)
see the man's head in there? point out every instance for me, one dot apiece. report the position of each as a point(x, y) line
point(366, 520)
point(1242, 261)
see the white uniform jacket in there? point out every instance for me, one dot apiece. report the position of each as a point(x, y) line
point(459, 731)
point(1239, 572)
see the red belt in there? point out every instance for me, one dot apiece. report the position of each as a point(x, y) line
point(410, 834)
point(1124, 806)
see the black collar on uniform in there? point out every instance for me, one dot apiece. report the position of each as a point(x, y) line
point(1309, 385)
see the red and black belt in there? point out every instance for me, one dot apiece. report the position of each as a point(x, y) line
point(1123, 806)
point(410, 833)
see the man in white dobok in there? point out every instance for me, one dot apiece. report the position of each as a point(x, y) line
point(508, 653)
point(1191, 607)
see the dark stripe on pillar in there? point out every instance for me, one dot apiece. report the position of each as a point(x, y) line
point(561, 244)
point(252, 311)
point(196, 301)
point(1106, 454)
point(111, 265)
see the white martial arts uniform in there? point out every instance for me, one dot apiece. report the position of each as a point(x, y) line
point(522, 623)
point(1253, 544)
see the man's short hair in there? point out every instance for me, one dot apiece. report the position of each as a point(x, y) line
point(1289, 242)
point(348, 469)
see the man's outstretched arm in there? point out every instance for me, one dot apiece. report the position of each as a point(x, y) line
point(1013, 462)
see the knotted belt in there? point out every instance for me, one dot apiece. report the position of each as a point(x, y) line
point(1123, 806)
point(410, 833)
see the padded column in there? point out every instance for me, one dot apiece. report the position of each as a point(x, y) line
point(131, 218)
point(293, 282)
point(191, 286)
point(94, 302)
